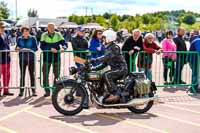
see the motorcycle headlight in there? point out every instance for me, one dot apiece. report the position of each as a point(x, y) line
point(72, 70)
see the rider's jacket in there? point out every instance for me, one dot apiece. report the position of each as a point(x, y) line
point(112, 58)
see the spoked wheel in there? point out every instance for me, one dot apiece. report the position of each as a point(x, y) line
point(66, 101)
point(141, 108)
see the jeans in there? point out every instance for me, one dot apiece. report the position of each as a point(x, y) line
point(147, 72)
point(194, 75)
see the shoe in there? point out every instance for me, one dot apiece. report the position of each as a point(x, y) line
point(182, 82)
point(198, 91)
point(47, 93)
point(112, 98)
point(34, 94)
point(8, 94)
point(85, 106)
point(178, 82)
point(166, 83)
point(21, 94)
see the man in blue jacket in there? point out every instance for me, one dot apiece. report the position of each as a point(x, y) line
point(193, 59)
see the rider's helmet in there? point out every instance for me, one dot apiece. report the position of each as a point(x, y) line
point(110, 36)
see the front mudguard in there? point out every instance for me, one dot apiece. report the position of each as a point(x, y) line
point(63, 82)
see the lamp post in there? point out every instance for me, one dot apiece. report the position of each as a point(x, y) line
point(16, 9)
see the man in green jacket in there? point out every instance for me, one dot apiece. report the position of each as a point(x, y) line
point(50, 44)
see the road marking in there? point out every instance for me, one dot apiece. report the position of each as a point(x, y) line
point(20, 111)
point(13, 114)
point(129, 122)
point(60, 122)
point(187, 104)
point(176, 119)
point(180, 108)
point(7, 130)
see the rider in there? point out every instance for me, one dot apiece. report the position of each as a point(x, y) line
point(117, 63)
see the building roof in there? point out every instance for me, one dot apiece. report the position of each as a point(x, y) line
point(197, 19)
point(92, 26)
point(68, 25)
point(39, 22)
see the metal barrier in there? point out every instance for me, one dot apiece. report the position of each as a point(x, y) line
point(58, 64)
point(13, 73)
point(155, 67)
point(171, 68)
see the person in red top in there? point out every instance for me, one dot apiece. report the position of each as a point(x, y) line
point(145, 59)
point(5, 60)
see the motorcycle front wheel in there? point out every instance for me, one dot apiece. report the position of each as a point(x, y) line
point(68, 100)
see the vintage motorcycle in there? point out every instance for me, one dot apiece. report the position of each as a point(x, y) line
point(137, 92)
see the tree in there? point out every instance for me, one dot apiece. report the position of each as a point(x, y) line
point(4, 11)
point(101, 20)
point(73, 18)
point(124, 17)
point(107, 15)
point(70, 18)
point(189, 19)
point(146, 19)
point(32, 13)
point(81, 20)
point(89, 19)
point(114, 21)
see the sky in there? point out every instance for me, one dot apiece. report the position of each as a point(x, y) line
point(59, 8)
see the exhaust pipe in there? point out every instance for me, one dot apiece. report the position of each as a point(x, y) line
point(134, 102)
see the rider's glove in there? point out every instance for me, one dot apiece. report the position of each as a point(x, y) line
point(64, 47)
point(92, 61)
point(93, 69)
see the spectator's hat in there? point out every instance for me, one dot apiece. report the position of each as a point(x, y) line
point(81, 28)
point(2, 25)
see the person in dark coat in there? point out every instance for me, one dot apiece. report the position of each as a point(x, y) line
point(181, 58)
point(80, 44)
point(133, 45)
